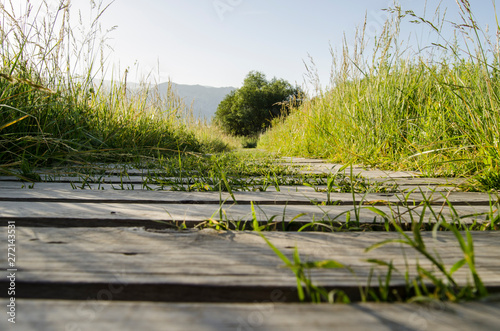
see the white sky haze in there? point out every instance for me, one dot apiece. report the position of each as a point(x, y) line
point(217, 42)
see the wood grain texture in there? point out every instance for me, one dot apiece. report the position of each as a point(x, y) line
point(269, 197)
point(199, 266)
point(106, 259)
point(370, 176)
point(49, 315)
point(93, 214)
point(406, 187)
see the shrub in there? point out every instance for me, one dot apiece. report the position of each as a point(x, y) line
point(250, 109)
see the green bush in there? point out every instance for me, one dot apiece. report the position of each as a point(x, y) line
point(250, 109)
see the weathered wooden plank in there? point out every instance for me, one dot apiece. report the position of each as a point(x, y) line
point(207, 265)
point(320, 166)
point(105, 314)
point(138, 179)
point(427, 189)
point(129, 187)
point(302, 160)
point(420, 181)
point(151, 215)
point(12, 185)
point(90, 186)
point(304, 165)
point(269, 197)
point(319, 169)
point(95, 179)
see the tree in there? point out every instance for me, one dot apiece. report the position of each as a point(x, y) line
point(250, 109)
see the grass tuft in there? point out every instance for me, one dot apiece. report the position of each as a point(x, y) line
point(434, 110)
point(54, 109)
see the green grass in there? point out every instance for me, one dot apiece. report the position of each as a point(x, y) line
point(248, 170)
point(436, 113)
point(436, 283)
point(54, 109)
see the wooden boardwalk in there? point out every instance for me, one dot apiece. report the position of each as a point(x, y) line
point(101, 258)
point(173, 266)
point(50, 315)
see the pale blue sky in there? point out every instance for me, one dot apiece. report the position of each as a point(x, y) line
point(217, 42)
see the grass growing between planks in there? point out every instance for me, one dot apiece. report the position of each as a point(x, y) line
point(248, 170)
point(436, 283)
point(421, 284)
point(442, 119)
point(436, 111)
point(54, 109)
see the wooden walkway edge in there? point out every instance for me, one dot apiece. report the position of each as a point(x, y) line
point(224, 266)
point(112, 251)
point(268, 315)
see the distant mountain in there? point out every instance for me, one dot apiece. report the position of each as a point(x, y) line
point(205, 99)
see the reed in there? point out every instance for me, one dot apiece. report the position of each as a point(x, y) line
point(54, 108)
point(435, 111)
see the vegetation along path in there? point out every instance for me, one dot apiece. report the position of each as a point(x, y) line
point(206, 248)
point(121, 210)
